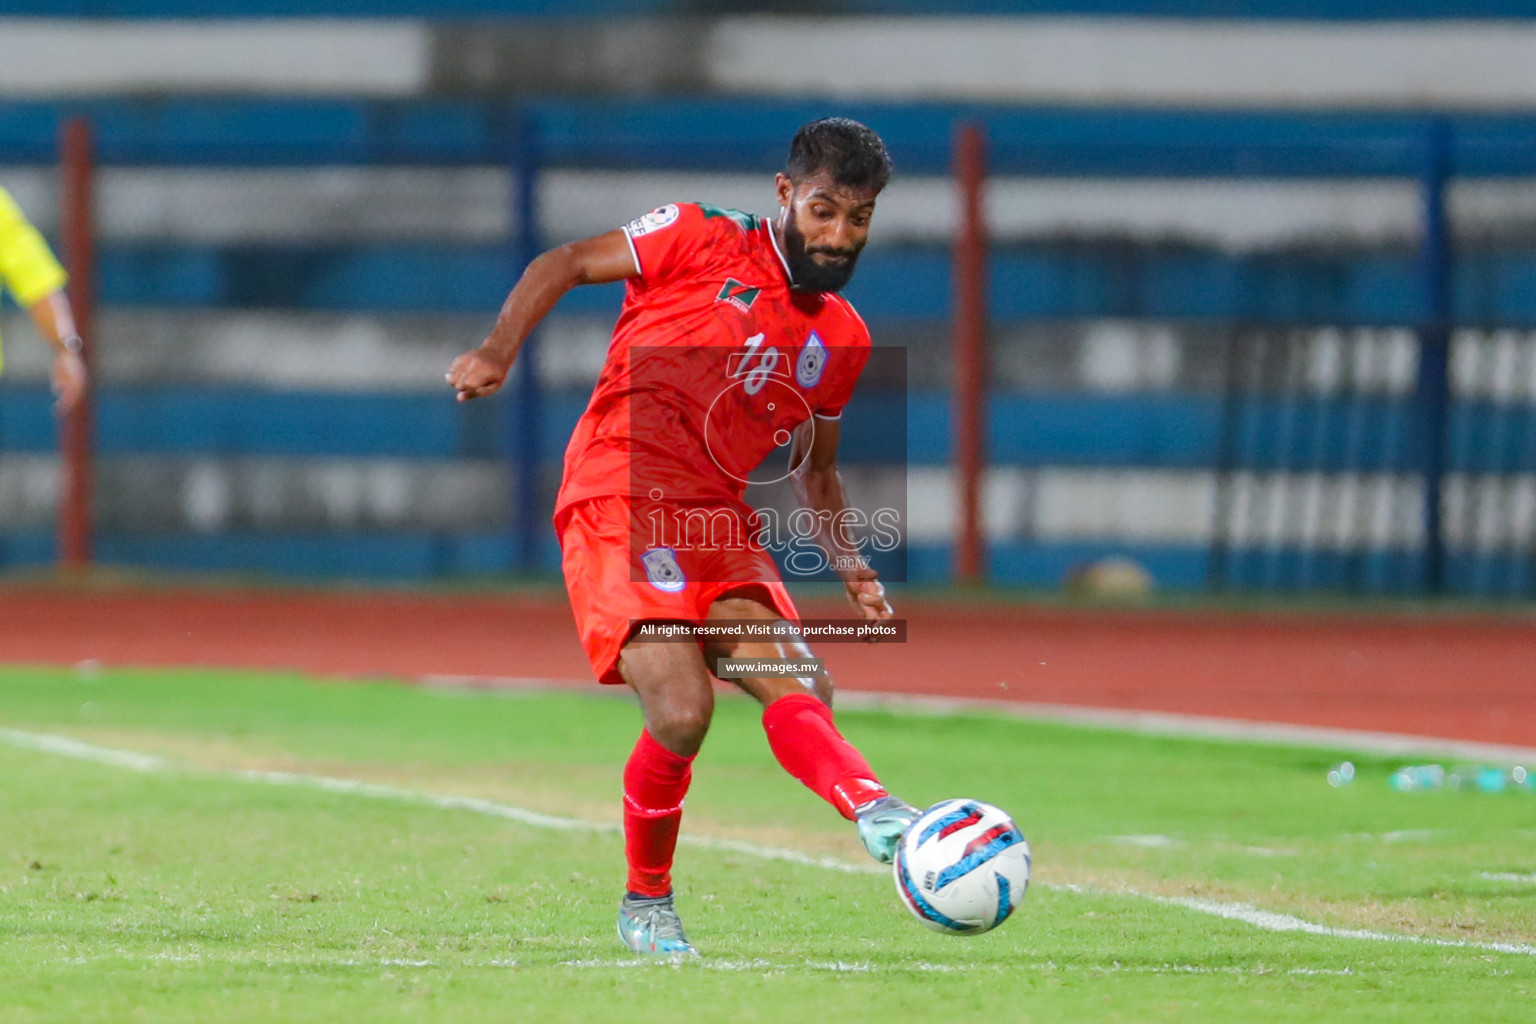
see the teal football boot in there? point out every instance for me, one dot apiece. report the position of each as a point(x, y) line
point(650, 926)
point(882, 823)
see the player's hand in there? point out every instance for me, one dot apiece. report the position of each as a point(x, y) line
point(477, 373)
point(68, 380)
point(867, 595)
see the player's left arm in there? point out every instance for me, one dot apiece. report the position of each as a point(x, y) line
point(819, 487)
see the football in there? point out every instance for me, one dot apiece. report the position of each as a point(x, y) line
point(962, 867)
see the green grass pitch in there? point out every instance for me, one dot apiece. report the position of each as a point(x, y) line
point(191, 883)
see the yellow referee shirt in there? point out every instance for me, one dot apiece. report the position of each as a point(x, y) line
point(27, 267)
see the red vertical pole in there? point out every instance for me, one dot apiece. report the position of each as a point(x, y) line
point(968, 406)
point(77, 219)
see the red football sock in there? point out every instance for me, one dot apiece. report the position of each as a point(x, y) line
point(808, 745)
point(655, 782)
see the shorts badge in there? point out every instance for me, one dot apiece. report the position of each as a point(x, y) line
point(662, 570)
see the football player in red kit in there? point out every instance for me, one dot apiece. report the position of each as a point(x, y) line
point(732, 343)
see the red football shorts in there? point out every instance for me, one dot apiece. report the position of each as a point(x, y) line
point(624, 566)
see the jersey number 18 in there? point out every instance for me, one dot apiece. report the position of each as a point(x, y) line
point(757, 365)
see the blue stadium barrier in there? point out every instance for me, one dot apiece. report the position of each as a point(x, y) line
point(901, 285)
point(1323, 10)
point(1140, 431)
point(315, 555)
point(380, 277)
point(233, 422)
point(387, 556)
point(417, 555)
point(895, 284)
point(749, 135)
point(1188, 566)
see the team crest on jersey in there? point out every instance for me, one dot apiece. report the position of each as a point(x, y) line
point(813, 359)
point(653, 221)
point(737, 294)
point(662, 570)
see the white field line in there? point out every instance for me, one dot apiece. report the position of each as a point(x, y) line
point(453, 682)
point(538, 819)
point(770, 966)
point(758, 965)
point(1145, 842)
point(1509, 876)
point(1150, 723)
point(67, 747)
point(1164, 723)
point(134, 761)
point(1271, 921)
point(925, 967)
point(1261, 919)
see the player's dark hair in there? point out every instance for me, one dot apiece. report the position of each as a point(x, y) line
point(854, 155)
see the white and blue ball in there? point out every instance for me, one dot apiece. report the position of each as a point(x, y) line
point(962, 867)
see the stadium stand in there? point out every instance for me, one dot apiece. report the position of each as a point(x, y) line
point(1206, 320)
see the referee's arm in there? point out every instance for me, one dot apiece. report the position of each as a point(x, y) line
point(29, 270)
point(56, 323)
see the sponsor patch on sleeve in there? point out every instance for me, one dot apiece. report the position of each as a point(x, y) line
point(653, 221)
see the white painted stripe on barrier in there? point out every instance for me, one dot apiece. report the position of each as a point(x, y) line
point(344, 204)
point(1262, 919)
point(1330, 511)
point(206, 495)
point(302, 350)
point(66, 57)
point(1116, 60)
point(1126, 507)
point(1134, 61)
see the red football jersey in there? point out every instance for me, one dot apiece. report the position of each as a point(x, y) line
point(714, 362)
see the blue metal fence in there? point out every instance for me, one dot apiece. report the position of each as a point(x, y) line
point(1256, 425)
point(1325, 10)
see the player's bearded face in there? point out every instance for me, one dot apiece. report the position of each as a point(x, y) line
point(817, 265)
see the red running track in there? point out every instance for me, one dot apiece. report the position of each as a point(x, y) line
point(1465, 677)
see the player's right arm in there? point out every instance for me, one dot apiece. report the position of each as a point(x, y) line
point(598, 260)
point(818, 486)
